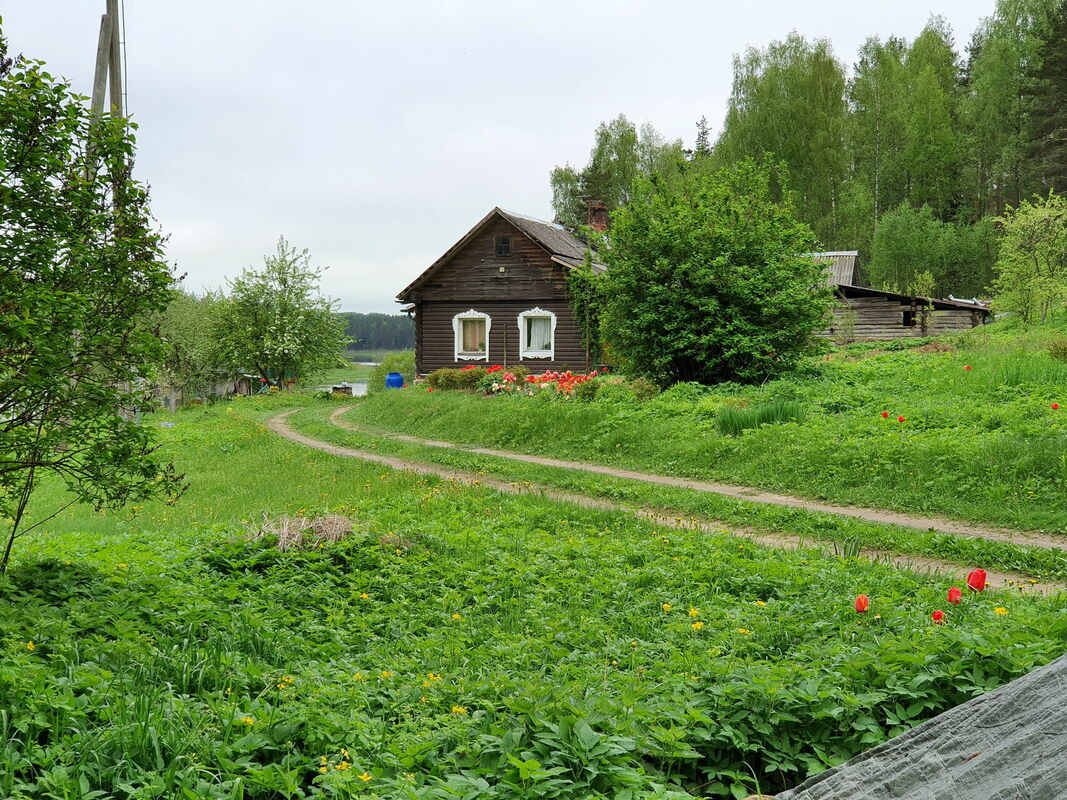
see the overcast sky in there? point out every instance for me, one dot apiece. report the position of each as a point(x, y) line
point(375, 134)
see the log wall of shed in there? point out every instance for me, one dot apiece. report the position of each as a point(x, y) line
point(882, 319)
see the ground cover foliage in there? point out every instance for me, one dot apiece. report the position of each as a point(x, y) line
point(459, 644)
point(982, 444)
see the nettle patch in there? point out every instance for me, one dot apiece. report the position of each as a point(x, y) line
point(455, 642)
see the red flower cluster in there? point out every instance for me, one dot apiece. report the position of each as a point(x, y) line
point(564, 381)
point(975, 580)
point(494, 368)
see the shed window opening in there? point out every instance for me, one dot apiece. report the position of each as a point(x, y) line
point(503, 245)
point(473, 336)
point(538, 333)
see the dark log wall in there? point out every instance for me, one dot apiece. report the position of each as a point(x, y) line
point(473, 280)
point(882, 318)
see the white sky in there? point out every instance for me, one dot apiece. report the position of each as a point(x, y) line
point(377, 133)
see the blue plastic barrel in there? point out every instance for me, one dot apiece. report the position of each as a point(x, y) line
point(394, 380)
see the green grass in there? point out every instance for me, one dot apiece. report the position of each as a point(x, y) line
point(837, 532)
point(173, 658)
point(982, 444)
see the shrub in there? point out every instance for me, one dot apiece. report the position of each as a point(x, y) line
point(402, 361)
point(1057, 348)
point(464, 379)
point(644, 389)
point(722, 250)
point(586, 392)
point(731, 420)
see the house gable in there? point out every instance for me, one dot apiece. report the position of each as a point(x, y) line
point(473, 272)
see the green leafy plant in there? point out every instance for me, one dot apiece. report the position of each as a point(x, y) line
point(722, 250)
point(82, 273)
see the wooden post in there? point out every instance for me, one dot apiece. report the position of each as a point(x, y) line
point(103, 56)
point(115, 61)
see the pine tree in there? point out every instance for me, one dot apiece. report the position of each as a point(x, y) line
point(1048, 113)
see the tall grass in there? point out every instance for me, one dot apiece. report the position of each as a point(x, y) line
point(731, 420)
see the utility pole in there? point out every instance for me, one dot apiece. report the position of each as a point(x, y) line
point(108, 63)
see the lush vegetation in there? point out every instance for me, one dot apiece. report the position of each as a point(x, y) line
point(720, 250)
point(982, 443)
point(455, 643)
point(81, 272)
point(915, 131)
point(275, 322)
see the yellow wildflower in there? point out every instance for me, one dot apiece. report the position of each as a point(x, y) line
point(364, 596)
point(359, 676)
point(324, 769)
point(459, 709)
point(697, 625)
point(433, 677)
point(366, 776)
point(633, 644)
point(667, 606)
point(386, 673)
point(248, 721)
point(322, 760)
point(743, 630)
point(694, 612)
point(342, 765)
point(761, 603)
point(30, 645)
point(457, 616)
point(423, 699)
point(1000, 611)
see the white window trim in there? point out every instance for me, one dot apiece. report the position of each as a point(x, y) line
point(524, 351)
point(457, 329)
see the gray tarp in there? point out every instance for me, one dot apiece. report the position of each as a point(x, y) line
point(1009, 744)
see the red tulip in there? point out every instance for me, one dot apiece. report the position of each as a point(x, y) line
point(938, 617)
point(968, 367)
point(885, 415)
point(1055, 406)
point(429, 388)
point(955, 595)
point(900, 419)
point(976, 580)
point(862, 604)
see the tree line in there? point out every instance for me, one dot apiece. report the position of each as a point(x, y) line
point(377, 331)
point(911, 156)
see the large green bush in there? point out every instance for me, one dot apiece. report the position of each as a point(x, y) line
point(707, 281)
point(465, 379)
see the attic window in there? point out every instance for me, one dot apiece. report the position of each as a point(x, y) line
point(503, 245)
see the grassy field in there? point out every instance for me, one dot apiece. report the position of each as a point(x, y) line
point(979, 439)
point(460, 643)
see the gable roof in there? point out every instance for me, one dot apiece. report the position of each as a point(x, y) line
point(563, 247)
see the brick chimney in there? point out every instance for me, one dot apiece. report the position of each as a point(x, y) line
point(596, 215)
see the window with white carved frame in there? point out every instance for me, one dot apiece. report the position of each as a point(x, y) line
point(471, 330)
point(537, 334)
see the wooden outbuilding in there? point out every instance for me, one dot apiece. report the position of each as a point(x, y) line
point(866, 314)
point(499, 296)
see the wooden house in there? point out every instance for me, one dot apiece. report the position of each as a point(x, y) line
point(499, 296)
point(866, 314)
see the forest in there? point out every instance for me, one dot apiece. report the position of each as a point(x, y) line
point(376, 331)
point(910, 155)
